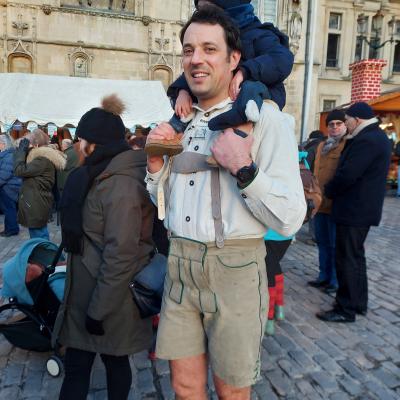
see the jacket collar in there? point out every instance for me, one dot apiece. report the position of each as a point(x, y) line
point(362, 126)
point(56, 157)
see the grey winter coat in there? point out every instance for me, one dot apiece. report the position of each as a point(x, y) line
point(37, 170)
point(117, 223)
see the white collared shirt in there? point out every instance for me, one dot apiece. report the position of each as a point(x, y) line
point(275, 198)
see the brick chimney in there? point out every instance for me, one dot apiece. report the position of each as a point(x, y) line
point(366, 79)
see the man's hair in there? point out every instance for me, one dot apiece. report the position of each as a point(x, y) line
point(38, 138)
point(212, 15)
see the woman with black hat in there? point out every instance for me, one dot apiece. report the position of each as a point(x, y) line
point(106, 220)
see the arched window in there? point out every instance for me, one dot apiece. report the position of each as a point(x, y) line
point(80, 62)
point(81, 67)
point(162, 73)
point(19, 62)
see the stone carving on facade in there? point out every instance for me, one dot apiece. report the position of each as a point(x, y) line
point(20, 26)
point(160, 68)
point(46, 8)
point(290, 22)
point(80, 62)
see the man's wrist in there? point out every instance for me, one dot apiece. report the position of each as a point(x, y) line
point(240, 164)
point(246, 174)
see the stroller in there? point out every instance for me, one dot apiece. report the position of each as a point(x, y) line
point(35, 288)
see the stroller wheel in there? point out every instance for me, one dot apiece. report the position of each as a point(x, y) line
point(54, 366)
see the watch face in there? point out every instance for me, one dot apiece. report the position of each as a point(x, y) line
point(246, 174)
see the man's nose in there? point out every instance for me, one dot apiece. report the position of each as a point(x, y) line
point(197, 57)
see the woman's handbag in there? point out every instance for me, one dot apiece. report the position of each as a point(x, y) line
point(147, 286)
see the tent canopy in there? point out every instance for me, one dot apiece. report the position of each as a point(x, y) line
point(63, 100)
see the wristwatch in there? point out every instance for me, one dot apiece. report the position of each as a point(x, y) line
point(246, 174)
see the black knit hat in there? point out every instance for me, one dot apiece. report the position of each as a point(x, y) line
point(335, 115)
point(224, 4)
point(360, 110)
point(103, 125)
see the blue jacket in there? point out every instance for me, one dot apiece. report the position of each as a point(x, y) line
point(265, 58)
point(8, 181)
point(358, 187)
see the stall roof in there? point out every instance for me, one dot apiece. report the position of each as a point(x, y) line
point(63, 100)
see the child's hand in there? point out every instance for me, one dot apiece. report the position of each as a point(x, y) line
point(183, 105)
point(234, 87)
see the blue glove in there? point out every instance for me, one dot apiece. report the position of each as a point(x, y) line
point(24, 145)
point(246, 107)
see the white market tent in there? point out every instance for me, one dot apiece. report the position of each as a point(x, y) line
point(63, 100)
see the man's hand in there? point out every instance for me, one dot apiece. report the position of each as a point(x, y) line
point(234, 87)
point(231, 151)
point(183, 105)
point(164, 131)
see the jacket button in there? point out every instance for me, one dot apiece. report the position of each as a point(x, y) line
point(187, 219)
point(196, 148)
point(191, 183)
point(206, 114)
point(244, 196)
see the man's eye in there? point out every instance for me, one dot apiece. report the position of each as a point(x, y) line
point(187, 52)
point(210, 49)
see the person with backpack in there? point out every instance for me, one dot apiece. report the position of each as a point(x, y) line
point(36, 163)
point(326, 161)
point(266, 62)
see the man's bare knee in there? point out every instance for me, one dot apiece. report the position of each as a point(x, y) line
point(228, 392)
point(189, 378)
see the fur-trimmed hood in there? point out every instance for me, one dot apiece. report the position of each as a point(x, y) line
point(57, 158)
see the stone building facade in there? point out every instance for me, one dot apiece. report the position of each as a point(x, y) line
point(139, 39)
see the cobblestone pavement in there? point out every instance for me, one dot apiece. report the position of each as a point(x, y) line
point(306, 359)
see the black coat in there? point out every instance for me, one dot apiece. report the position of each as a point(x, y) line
point(358, 187)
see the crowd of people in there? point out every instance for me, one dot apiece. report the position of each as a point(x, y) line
point(227, 222)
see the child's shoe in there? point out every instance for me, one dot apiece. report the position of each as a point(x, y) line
point(279, 313)
point(270, 327)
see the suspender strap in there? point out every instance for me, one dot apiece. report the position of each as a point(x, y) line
point(190, 162)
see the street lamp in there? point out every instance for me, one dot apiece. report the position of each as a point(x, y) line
point(377, 24)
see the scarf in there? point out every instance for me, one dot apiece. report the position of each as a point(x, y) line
point(76, 189)
point(242, 15)
point(331, 143)
point(363, 125)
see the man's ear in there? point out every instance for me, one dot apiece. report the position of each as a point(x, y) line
point(234, 59)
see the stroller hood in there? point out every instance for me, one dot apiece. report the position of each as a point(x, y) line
point(14, 270)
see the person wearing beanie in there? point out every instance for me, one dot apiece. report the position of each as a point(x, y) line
point(36, 163)
point(357, 191)
point(106, 224)
point(326, 161)
point(266, 62)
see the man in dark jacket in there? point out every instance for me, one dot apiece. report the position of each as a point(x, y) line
point(9, 188)
point(357, 190)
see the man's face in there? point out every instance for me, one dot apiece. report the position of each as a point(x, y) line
point(208, 68)
point(351, 123)
point(2, 146)
point(336, 128)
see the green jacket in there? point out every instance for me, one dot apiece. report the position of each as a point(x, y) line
point(117, 223)
point(37, 170)
point(72, 163)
